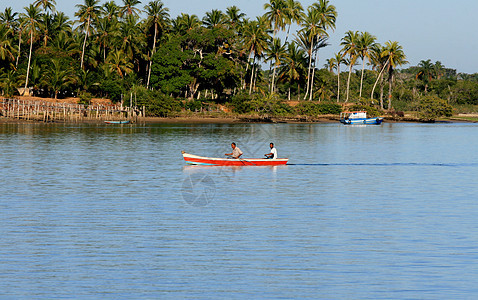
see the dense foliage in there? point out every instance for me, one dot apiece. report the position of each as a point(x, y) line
point(111, 49)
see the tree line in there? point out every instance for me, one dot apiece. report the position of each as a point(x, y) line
point(112, 50)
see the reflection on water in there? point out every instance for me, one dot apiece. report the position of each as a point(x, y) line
point(92, 211)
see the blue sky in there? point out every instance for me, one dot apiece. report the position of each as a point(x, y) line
point(439, 30)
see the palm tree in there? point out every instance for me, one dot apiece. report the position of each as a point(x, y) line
point(276, 13)
point(294, 14)
point(61, 24)
point(110, 10)
point(255, 42)
point(117, 62)
point(130, 38)
point(107, 30)
point(8, 82)
point(439, 69)
point(47, 4)
point(59, 76)
point(31, 22)
point(87, 13)
point(425, 72)
point(234, 16)
point(379, 62)
point(396, 57)
point(184, 23)
point(158, 17)
point(276, 52)
point(338, 59)
point(365, 43)
point(214, 18)
point(6, 50)
point(46, 28)
point(129, 8)
point(350, 48)
point(293, 66)
point(320, 17)
point(9, 19)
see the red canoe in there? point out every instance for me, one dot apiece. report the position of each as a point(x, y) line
point(211, 161)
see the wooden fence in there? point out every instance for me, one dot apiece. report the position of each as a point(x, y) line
point(67, 112)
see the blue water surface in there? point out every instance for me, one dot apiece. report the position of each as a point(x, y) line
point(113, 212)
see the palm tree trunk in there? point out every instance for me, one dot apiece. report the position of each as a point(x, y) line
point(252, 75)
point(361, 78)
point(348, 82)
point(273, 79)
point(29, 61)
point(379, 75)
point(390, 91)
point(381, 92)
point(308, 70)
point(19, 46)
point(154, 50)
point(313, 76)
point(338, 82)
point(84, 42)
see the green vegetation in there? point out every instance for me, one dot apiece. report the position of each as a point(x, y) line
point(187, 63)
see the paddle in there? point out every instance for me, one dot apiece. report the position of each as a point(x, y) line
point(242, 160)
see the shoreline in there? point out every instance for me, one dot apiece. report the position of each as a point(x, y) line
point(233, 120)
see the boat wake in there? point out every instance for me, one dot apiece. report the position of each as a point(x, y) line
point(393, 164)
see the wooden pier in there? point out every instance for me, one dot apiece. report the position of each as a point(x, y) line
point(46, 111)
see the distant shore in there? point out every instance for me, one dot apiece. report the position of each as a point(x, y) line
point(464, 118)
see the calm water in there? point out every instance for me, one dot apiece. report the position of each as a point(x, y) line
point(381, 212)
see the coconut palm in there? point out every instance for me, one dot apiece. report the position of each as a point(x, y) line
point(6, 50)
point(9, 19)
point(61, 24)
point(184, 23)
point(87, 13)
point(214, 18)
point(275, 53)
point(338, 59)
point(107, 30)
point(276, 13)
point(293, 66)
point(130, 39)
point(294, 14)
point(255, 38)
point(110, 10)
point(396, 57)
point(130, 8)
point(47, 4)
point(8, 82)
point(31, 23)
point(350, 48)
point(158, 18)
point(59, 76)
point(365, 43)
point(438, 69)
point(116, 62)
point(379, 62)
point(234, 16)
point(425, 72)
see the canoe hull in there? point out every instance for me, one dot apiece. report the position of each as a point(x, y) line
point(211, 161)
point(116, 122)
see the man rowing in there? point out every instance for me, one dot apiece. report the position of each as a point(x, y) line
point(236, 152)
point(273, 153)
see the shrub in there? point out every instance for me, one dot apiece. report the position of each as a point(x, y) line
point(156, 104)
point(431, 107)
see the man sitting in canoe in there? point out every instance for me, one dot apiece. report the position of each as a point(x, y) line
point(236, 152)
point(273, 153)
